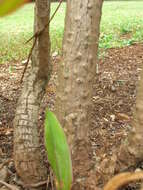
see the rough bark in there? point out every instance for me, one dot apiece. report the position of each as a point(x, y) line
point(131, 150)
point(75, 80)
point(27, 154)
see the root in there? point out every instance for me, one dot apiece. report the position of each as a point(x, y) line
point(122, 179)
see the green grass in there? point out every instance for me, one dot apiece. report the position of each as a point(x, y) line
point(17, 28)
point(122, 24)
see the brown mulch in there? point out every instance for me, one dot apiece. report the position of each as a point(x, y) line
point(114, 97)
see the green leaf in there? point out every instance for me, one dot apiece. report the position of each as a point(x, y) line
point(58, 152)
point(8, 6)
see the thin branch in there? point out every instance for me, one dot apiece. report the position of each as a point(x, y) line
point(51, 179)
point(35, 36)
point(11, 187)
point(32, 185)
point(38, 33)
point(28, 59)
point(5, 163)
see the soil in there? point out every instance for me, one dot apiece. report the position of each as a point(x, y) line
point(113, 101)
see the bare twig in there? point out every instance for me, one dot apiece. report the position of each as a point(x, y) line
point(5, 163)
point(28, 59)
point(35, 184)
point(40, 32)
point(35, 37)
point(11, 187)
point(48, 180)
point(31, 185)
point(51, 179)
point(122, 179)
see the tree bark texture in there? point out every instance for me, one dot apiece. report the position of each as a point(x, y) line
point(75, 81)
point(27, 154)
point(131, 150)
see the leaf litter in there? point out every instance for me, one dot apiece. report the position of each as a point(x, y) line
point(112, 107)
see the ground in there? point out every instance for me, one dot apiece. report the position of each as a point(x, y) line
point(113, 101)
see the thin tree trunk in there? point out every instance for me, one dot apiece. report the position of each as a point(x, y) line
point(131, 150)
point(27, 153)
point(75, 81)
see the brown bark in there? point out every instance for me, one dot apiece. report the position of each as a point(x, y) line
point(131, 150)
point(75, 79)
point(27, 156)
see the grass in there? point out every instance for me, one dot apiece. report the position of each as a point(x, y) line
point(122, 24)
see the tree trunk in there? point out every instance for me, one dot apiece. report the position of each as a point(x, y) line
point(75, 81)
point(131, 150)
point(27, 154)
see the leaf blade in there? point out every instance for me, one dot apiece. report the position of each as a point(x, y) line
point(58, 151)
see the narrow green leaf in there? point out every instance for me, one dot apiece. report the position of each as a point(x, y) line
point(8, 6)
point(58, 152)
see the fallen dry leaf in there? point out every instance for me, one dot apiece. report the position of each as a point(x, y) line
point(123, 117)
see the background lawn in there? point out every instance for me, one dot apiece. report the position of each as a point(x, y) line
point(122, 24)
